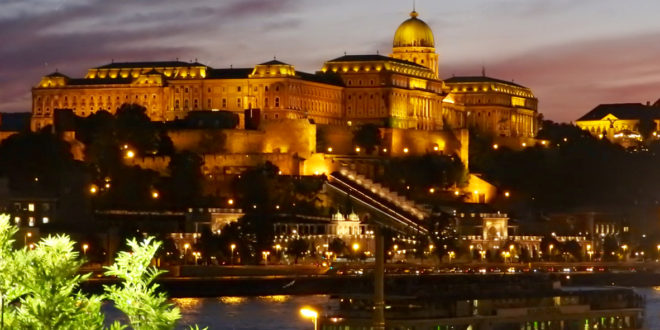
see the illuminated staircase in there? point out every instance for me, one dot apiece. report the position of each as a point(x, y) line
point(381, 199)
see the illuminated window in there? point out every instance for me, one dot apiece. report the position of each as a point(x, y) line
point(31, 207)
point(45, 220)
point(17, 220)
point(31, 222)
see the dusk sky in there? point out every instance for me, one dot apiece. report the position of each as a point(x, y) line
point(574, 54)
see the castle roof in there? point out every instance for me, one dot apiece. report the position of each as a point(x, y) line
point(621, 111)
point(413, 32)
point(274, 62)
point(372, 58)
point(233, 73)
point(479, 79)
point(154, 64)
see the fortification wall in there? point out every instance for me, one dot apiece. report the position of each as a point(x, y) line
point(217, 140)
point(289, 136)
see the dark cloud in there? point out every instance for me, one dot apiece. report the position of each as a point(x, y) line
point(73, 36)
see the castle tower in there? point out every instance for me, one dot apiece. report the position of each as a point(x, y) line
point(413, 42)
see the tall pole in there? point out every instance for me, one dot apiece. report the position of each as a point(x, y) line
point(379, 282)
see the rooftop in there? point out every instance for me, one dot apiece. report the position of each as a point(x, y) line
point(155, 64)
point(373, 57)
point(622, 111)
point(479, 79)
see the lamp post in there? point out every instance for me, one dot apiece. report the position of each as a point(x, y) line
point(25, 238)
point(310, 313)
point(550, 251)
point(185, 253)
point(231, 258)
point(265, 254)
point(451, 255)
point(85, 247)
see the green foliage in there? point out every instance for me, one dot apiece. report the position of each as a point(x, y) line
point(137, 296)
point(49, 277)
point(39, 288)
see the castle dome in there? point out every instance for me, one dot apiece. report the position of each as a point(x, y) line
point(413, 32)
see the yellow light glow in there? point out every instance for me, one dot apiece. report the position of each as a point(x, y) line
point(230, 202)
point(456, 192)
point(405, 150)
point(357, 149)
point(356, 246)
point(495, 146)
point(308, 312)
point(432, 190)
point(154, 194)
point(93, 189)
point(524, 144)
point(130, 154)
point(329, 149)
point(507, 194)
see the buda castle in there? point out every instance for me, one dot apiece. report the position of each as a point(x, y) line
point(401, 91)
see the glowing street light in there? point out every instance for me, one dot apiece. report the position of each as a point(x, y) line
point(265, 254)
point(230, 201)
point(507, 194)
point(329, 149)
point(85, 247)
point(93, 189)
point(130, 154)
point(495, 146)
point(356, 246)
point(231, 259)
point(185, 252)
point(405, 150)
point(451, 255)
point(310, 313)
point(357, 149)
point(154, 194)
point(25, 238)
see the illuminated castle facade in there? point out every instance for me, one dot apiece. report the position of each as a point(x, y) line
point(402, 91)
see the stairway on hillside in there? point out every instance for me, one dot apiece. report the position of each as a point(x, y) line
point(401, 202)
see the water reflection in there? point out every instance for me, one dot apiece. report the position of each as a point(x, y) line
point(232, 300)
point(247, 313)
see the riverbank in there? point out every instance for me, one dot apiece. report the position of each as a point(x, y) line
point(343, 284)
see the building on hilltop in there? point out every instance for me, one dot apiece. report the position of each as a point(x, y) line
point(402, 91)
point(622, 123)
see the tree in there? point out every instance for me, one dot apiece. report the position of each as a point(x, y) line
point(136, 296)
point(297, 248)
point(368, 137)
point(337, 246)
point(39, 287)
point(185, 182)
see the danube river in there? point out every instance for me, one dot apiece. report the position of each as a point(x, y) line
point(282, 312)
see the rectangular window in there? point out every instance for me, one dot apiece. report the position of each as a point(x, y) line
point(224, 103)
point(238, 102)
point(238, 89)
point(31, 207)
point(45, 220)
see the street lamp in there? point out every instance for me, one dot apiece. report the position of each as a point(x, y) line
point(310, 313)
point(482, 253)
point(85, 247)
point(231, 258)
point(356, 247)
point(154, 194)
point(185, 252)
point(25, 238)
point(550, 251)
point(265, 254)
point(451, 255)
